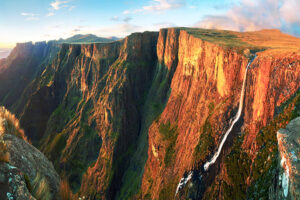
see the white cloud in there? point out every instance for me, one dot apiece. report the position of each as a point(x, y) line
point(159, 5)
point(126, 12)
point(290, 11)
point(164, 25)
point(164, 5)
point(50, 14)
point(118, 19)
point(30, 16)
point(119, 30)
point(127, 19)
point(58, 4)
point(250, 15)
point(115, 18)
point(71, 8)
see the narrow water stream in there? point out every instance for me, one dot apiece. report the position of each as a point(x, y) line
point(191, 174)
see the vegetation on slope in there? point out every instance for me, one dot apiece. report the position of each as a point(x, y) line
point(205, 145)
point(169, 133)
point(221, 37)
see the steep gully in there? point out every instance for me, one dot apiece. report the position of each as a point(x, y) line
point(191, 175)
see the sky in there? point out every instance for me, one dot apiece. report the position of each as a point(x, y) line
point(40, 20)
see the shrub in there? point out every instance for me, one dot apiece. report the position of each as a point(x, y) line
point(9, 124)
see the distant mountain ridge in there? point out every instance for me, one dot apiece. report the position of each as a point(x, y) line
point(76, 39)
point(89, 38)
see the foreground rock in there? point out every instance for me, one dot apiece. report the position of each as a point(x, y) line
point(25, 173)
point(43, 178)
point(12, 183)
point(288, 143)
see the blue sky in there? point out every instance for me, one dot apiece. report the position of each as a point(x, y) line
point(37, 20)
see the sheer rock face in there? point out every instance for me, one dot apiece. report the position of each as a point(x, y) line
point(24, 64)
point(204, 74)
point(289, 148)
point(273, 79)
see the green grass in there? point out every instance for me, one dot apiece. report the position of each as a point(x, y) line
point(168, 191)
point(220, 37)
point(238, 169)
point(206, 143)
point(54, 149)
point(169, 133)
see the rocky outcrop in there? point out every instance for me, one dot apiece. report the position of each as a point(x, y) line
point(27, 172)
point(31, 162)
point(288, 182)
point(13, 184)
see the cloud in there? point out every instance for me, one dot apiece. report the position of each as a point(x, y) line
point(126, 12)
point(251, 15)
point(127, 19)
point(165, 5)
point(50, 14)
point(119, 30)
point(118, 19)
point(30, 16)
point(159, 5)
point(58, 4)
point(164, 25)
point(71, 8)
point(76, 30)
point(115, 18)
point(290, 11)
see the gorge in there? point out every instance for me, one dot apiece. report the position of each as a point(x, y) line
point(128, 119)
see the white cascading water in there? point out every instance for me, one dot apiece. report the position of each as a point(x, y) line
point(184, 180)
point(236, 118)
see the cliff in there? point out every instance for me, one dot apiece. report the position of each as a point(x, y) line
point(129, 119)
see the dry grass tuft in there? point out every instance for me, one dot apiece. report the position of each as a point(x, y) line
point(40, 188)
point(65, 190)
point(4, 156)
point(9, 124)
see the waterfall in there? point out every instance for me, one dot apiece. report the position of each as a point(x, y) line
point(236, 118)
point(189, 176)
